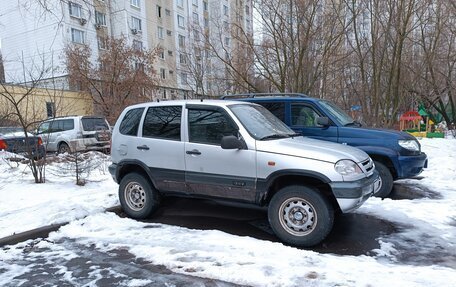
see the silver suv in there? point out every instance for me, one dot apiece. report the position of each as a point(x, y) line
point(75, 133)
point(237, 151)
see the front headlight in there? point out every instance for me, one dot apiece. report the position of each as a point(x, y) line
point(347, 167)
point(409, 144)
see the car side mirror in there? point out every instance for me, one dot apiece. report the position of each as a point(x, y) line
point(323, 121)
point(232, 142)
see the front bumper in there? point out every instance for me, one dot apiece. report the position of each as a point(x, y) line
point(410, 166)
point(113, 171)
point(352, 194)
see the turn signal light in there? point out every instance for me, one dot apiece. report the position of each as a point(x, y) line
point(40, 141)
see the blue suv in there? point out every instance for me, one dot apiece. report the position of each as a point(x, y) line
point(397, 155)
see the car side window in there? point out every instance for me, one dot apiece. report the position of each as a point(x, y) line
point(130, 123)
point(56, 126)
point(277, 109)
point(304, 116)
point(209, 126)
point(68, 124)
point(43, 128)
point(163, 122)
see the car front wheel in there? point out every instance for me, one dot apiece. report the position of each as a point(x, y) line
point(387, 180)
point(137, 196)
point(300, 215)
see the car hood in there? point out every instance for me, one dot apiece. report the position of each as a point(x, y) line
point(361, 132)
point(312, 148)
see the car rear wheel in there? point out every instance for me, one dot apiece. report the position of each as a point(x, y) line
point(299, 215)
point(387, 180)
point(64, 148)
point(137, 196)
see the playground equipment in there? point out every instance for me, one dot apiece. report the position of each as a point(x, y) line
point(418, 124)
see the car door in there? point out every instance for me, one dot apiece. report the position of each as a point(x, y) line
point(211, 170)
point(303, 119)
point(160, 148)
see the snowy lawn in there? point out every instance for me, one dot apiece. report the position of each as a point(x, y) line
point(25, 205)
point(427, 227)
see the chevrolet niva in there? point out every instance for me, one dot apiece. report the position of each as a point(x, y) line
point(237, 151)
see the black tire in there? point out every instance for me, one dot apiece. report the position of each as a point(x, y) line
point(387, 180)
point(137, 196)
point(64, 148)
point(313, 215)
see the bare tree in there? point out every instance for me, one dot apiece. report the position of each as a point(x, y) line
point(122, 75)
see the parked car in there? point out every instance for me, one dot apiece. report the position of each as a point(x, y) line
point(241, 152)
point(397, 155)
point(12, 139)
point(75, 133)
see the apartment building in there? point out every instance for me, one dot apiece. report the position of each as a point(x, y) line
point(33, 38)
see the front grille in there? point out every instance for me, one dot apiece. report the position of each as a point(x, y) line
point(368, 165)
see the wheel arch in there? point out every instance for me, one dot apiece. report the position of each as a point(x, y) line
point(279, 180)
point(126, 167)
point(387, 162)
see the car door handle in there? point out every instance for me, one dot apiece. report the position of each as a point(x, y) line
point(142, 147)
point(194, 152)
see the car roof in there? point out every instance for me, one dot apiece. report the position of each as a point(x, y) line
point(271, 97)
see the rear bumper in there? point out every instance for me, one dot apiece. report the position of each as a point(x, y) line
point(410, 166)
point(352, 194)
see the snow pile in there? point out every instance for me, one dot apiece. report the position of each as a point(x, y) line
point(25, 205)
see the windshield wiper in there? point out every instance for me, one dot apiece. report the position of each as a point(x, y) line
point(294, 135)
point(275, 136)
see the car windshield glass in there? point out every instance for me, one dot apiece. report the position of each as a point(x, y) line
point(337, 112)
point(9, 130)
point(261, 123)
point(94, 124)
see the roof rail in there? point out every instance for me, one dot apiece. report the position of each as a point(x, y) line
point(255, 95)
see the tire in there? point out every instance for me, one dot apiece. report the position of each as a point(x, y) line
point(137, 196)
point(64, 148)
point(300, 215)
point(387, 180)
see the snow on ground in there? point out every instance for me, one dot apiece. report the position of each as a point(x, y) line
point(25, 205)
point(427, 226)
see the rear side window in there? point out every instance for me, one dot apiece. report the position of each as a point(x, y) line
point(277, 109)
point(94, 124)
point(163, 122)
point(130, 123)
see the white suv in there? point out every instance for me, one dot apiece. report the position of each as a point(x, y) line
point(237, 151)
point(75, 133)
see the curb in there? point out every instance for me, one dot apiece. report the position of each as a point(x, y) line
point(41, 232)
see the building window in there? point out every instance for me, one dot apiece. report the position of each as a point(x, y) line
point(225, 10)
point(100, 18)
point(196, 35)
point(206, 22)
point(205, 5)
point(135, 23)
point(102, 43)
point(169, 33)
point(195, 3)
point(226, 26)
point(247, 10)
point(161, 54)
point(163, 73)
point(184, 78)
point(180, 21)
point(77, 36)
point(170, 53)
point(182, 58)
point(195, 18)
point(139, 66)
point(75, 10)
point(160, 34)
point(159, 11)
point(180, 3)
point(137, 45)
point(50, 109)
point(135, 3)
point(227, 41)
point(181, 41)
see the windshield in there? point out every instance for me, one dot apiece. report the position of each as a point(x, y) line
point(9, 130)
point(342, 117)
point(261, 123)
